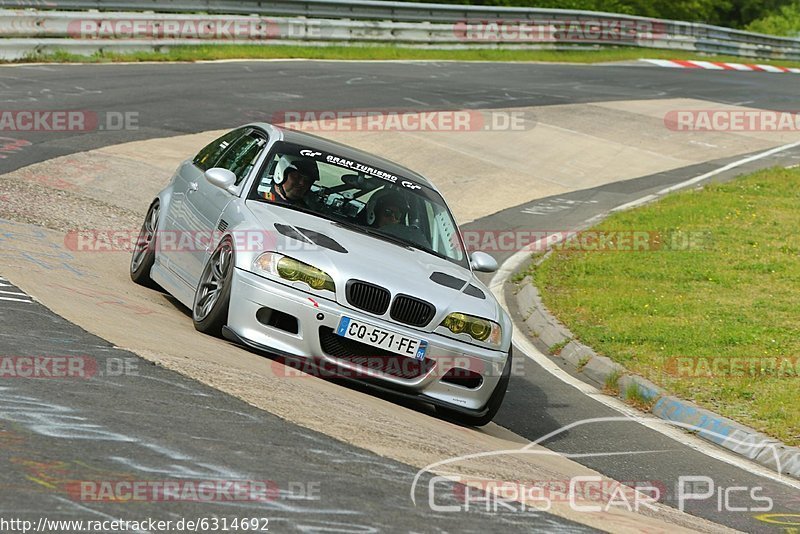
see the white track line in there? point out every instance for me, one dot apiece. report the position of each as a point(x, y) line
point(706, 176)
point(16, 294)
point(17, 300)
point(512, 264)
point(725, 168)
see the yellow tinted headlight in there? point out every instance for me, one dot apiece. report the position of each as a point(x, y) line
point(480, 330)
point(456, 323)
point(294, 271)
point(477, 328)
point(289, 269)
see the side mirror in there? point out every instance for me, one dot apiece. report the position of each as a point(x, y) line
point(222, 178)
point(482, 262)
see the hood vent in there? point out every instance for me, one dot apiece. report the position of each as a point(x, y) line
point(448, 281)
point(323, 241)
point(289, 231)
point(476, 292)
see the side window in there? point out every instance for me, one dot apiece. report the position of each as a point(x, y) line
point(206, 158)
point(242, 155)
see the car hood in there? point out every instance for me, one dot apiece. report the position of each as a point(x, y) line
point(347, 254)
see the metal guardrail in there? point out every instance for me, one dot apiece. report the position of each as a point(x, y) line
point(43, 25)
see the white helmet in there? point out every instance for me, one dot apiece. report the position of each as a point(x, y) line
point(286, 163)
point(385, 197)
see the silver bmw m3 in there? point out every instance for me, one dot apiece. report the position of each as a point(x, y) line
point(326, 255)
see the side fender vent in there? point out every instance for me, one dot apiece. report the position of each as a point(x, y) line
point(473, 291)
point(290, 231)
point(323, 241)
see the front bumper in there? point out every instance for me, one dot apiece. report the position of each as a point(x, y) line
point(251, 293)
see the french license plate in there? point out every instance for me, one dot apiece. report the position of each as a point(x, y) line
point(384, 339)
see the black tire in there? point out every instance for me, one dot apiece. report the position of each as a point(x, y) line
point(492, 407)
point(144, 251)
point(213, 294)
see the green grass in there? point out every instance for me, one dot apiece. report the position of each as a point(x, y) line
point(528, 269)
point(556, 348)
point(736, 294)
point(212, 52)
point(612, 383)
point(635, 396)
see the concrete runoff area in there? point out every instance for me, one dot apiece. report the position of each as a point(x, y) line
point(110, 188)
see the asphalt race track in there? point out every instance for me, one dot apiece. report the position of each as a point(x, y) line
point(158, 422)
point(313, 482)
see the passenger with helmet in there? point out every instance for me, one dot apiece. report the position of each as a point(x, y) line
point(386, 207)
point(292, 180)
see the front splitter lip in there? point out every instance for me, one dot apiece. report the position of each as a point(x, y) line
point(397, 391)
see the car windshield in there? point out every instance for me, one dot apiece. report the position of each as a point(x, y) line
point(360, 196)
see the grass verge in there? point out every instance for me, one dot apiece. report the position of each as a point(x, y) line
point(216, 52)
point(612, 383)
point(715, 323)
point(637, 398)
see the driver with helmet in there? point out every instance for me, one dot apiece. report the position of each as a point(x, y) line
point(386, 207)
point(292, 180)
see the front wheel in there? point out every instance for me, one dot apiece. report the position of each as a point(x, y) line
point(492, 407)
point(212, 298)
point(144, 251)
